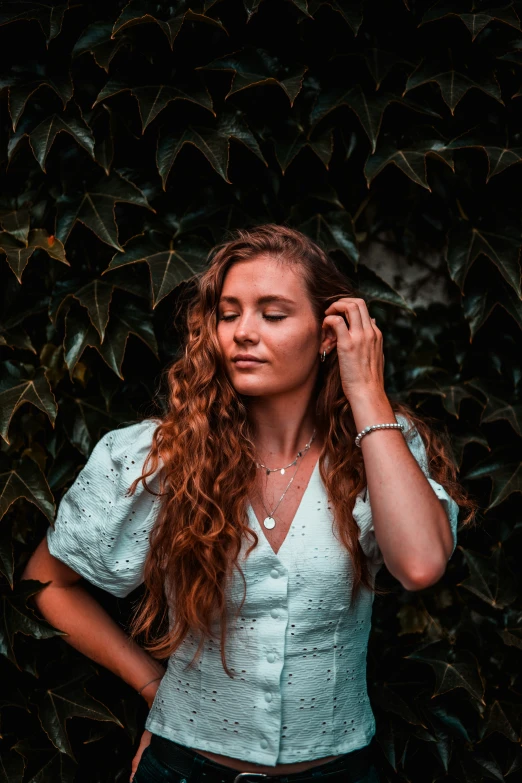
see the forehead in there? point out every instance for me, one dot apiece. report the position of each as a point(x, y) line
point(262, 277)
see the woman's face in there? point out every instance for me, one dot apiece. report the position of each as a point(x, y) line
point(283, 334)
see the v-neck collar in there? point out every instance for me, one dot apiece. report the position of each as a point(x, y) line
point(255, 522)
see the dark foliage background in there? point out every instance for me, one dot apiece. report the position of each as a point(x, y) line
point(132, 137)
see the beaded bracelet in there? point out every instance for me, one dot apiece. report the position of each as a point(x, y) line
point(366, 430)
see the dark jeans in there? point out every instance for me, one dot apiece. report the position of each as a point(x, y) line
point(164, 761)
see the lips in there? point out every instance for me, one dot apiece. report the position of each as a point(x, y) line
point(246, 358)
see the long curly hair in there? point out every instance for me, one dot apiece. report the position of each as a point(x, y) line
point(202, 521)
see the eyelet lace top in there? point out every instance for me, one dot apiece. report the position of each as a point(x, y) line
point(298, 653)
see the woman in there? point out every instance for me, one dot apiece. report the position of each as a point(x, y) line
point(257, 544)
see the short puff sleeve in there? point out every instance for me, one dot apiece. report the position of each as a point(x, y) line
point(362, 512)
point(98, 531)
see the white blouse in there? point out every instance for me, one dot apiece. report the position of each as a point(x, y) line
point(298, 653)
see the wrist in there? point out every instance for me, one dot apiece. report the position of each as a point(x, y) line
point(370, 406)
point(150, 690)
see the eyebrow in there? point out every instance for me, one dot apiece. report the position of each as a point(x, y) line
point(261, 300)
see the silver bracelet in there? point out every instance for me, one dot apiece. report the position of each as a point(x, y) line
point(148, 683)
point(366, 430)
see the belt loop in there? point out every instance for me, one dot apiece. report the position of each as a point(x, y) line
point(195, 770)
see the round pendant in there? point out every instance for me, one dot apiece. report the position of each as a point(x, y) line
point(282, 471)
point(269, 522)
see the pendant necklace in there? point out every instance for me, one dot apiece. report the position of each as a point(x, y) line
point(269, 521)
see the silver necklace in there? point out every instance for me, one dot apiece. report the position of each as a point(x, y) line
point(269, 521)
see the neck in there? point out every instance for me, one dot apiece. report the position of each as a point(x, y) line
point(282, 427)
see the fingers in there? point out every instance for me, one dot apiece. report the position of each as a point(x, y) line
point(355, 310)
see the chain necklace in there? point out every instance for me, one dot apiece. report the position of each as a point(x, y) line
point(269, 521)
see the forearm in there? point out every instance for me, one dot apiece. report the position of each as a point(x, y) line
point(410, 523)
point(94, 633)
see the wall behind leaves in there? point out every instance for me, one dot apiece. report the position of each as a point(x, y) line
point(133, 137)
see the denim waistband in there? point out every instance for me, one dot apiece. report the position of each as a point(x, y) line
point(350, 767)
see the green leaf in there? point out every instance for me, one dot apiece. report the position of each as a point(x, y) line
point(350, 10)
point(45, 764)
point(18, 255)
point(127, 319)
point(335, 231)
point(499, 157)
point(409, 156)
point(27, 481)
point(479, 302)
point(496, 407)
point(368, 107)
point(96, 297)
point(97, 40)
point(451, 673)
point(490, 578)
point(139, 12)
point(23, 85)
point(17, 617)
point(11, 767)
point(453, 84)
point(466, 243)
point(505, 473)
point(152, 99)
point(95, 208)
point(65, 701)
point(49, 17)
point(214, 143)
point(170, 263)
point(252, 67)
point(16, 221)
point(41, 139)
point(15, 390)
point(475, 22)
point(287, 148)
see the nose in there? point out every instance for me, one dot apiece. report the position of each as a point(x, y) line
point(245, 329)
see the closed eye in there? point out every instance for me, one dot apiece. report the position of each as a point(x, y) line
point(268, 317)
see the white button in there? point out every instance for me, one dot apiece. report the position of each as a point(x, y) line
point(268, 697)
point(274, 612)
point(264, 743)
point(275, 573)
point(270, 657)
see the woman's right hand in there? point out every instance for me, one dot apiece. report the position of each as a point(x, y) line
point(144, 742)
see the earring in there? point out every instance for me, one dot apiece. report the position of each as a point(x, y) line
point(323, 357)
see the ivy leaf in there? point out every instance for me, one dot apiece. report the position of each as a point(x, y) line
point(95, 208)
point(170, 263)
point(409, 156)
point(479, 302)
point(97, 40)
point(69, 700)
point(22, 85)
point(214, 143)
point(11, 767)
point(42, 137)
point(289, 147)
point(499, 157)
point(466, 242)
point(45, 764)
point(380, 62)
point(475, 23)
point(490, 578)
point(450, 673)
point(96, 298)
point(258, 66)
point(26, 480)
point(18, 255)
point(49, 17)
point(152, 99)
point(496, 407)
point(17, 617)
point(139, 12)
point(453, 84)
point(334, 231)
point(505, 474)
point(125, 319)
point(369, 108)
point(502, 717)
point(15, 390)
point(17, 222)
point(350, 10)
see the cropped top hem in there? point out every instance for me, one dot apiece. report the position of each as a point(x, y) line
point(307, 752)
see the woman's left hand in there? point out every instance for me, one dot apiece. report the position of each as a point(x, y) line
point(359, 347)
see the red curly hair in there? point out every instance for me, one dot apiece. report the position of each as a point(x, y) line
point(197, 537)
